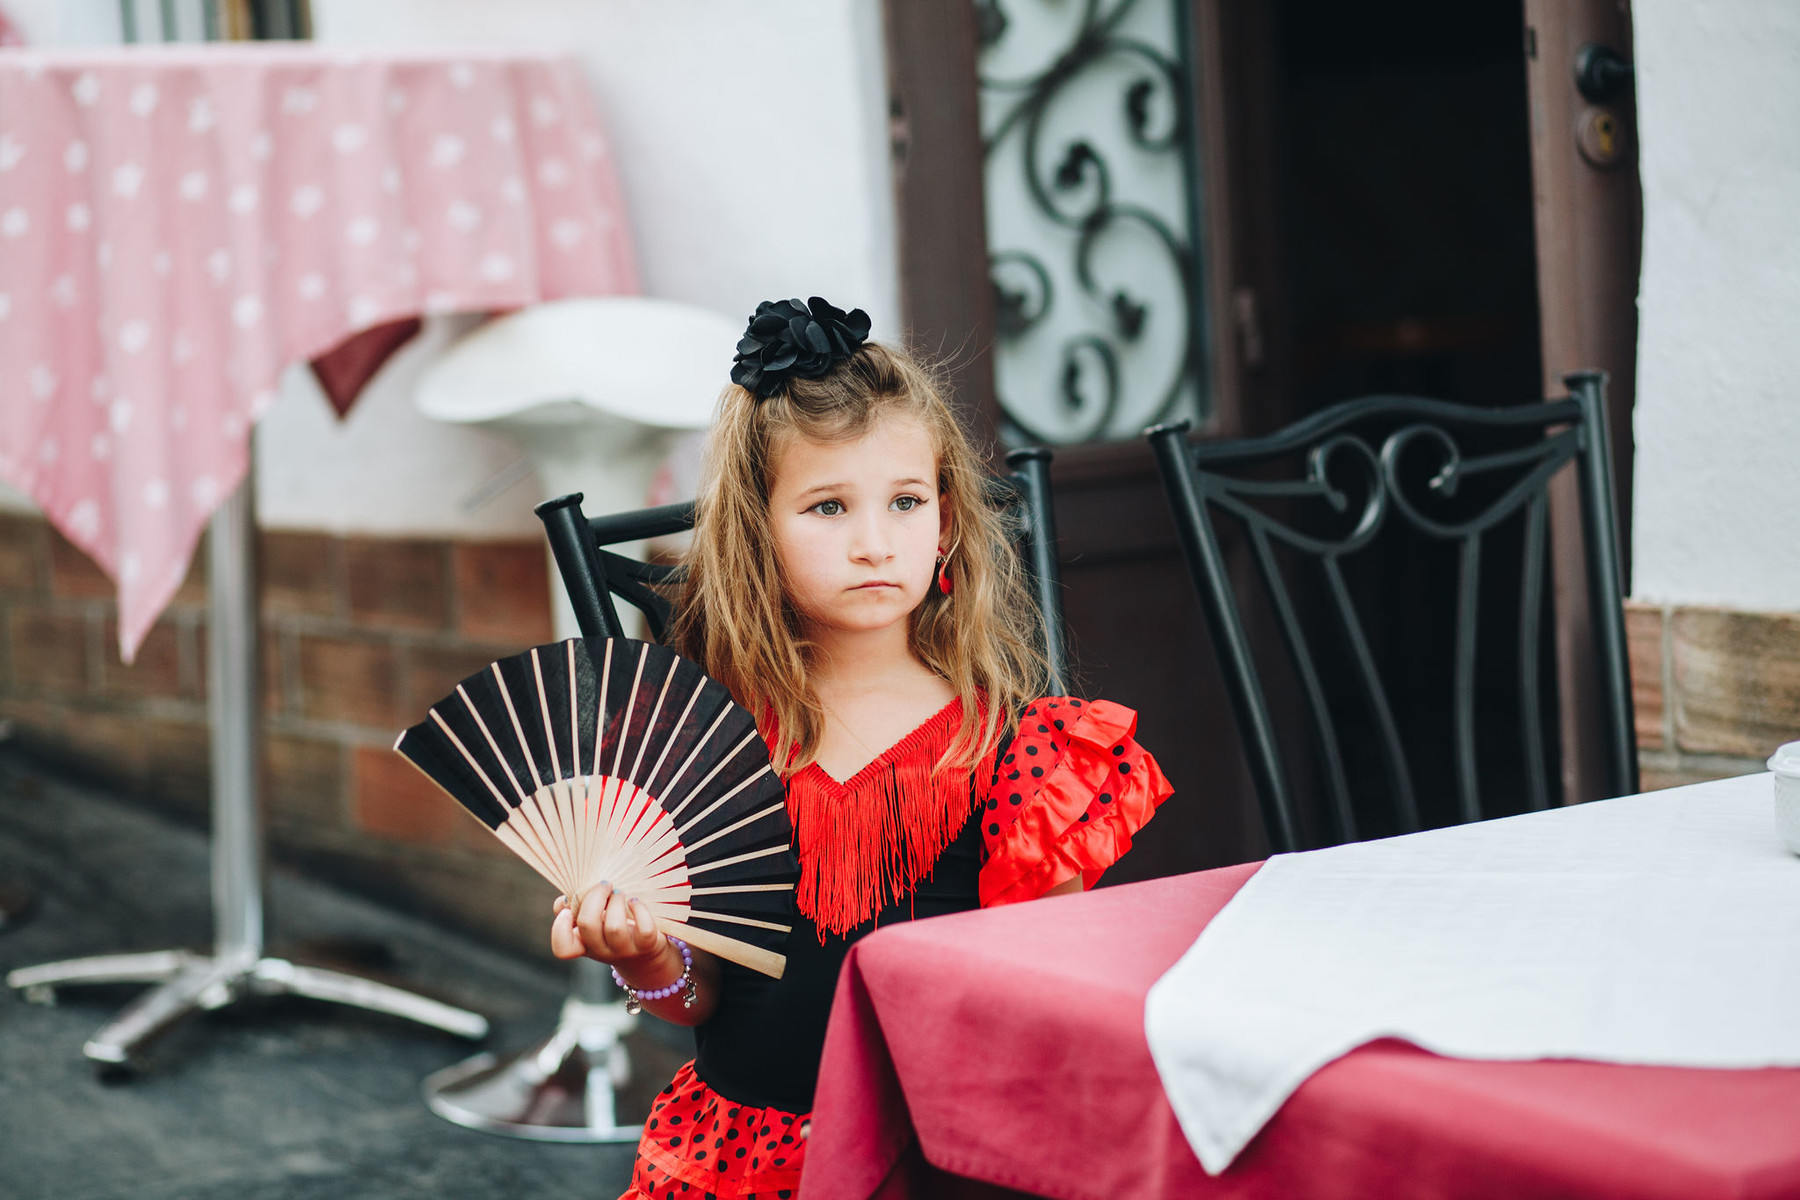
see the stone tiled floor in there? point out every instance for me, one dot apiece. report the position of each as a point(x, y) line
point(287, 1100)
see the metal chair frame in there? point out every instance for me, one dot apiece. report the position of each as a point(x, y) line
point(1198, 485)
point(593, 575)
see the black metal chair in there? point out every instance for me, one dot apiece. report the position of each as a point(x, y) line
point(1443, 480)
point(593, 574)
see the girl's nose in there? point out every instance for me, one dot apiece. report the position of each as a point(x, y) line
point(871, 543)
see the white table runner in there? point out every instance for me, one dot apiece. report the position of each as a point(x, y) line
point(1657, 929)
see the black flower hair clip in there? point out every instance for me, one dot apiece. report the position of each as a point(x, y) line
point(787, 339)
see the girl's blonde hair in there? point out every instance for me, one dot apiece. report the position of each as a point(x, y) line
point(734, 617)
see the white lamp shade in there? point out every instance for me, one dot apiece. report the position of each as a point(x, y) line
point(654, 363)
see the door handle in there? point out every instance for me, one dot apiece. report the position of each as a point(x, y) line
point(1601, 73)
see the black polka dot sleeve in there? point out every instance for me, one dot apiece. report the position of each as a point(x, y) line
point(1068, 794)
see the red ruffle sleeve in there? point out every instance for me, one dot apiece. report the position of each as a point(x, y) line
point(1070, 791)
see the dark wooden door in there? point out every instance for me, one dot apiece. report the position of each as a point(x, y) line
point(1589, 221)
point(1369, 225)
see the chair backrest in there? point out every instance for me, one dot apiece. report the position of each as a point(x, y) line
point(1446, 479)
point(593, 574)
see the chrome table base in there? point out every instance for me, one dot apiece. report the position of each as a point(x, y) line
point(237, 969)
point(190, 983)
point(560, 1090)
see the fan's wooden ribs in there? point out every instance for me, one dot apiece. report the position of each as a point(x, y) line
point(578, 823)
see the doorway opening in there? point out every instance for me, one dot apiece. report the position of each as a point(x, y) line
point(1407, 259)
point(1407, 204)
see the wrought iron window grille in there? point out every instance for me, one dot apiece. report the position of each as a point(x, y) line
point(1128, 345)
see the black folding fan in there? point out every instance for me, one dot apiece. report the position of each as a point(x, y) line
point(619, 760)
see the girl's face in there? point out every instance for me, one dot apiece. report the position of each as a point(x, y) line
point(857, 525)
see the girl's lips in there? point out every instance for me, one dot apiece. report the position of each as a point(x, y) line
point(879, 583)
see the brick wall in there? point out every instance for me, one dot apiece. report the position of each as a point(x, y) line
point(359, 635)
point(1716, 690)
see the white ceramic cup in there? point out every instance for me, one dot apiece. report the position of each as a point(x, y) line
point(1786, 764)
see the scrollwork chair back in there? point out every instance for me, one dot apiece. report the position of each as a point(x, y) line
point(1463, 483)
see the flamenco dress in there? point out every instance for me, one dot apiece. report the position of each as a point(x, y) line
point(894, 843)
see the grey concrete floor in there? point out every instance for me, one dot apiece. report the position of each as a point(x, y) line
point(284, 1099)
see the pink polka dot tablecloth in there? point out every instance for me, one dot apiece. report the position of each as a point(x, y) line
point(179, 224)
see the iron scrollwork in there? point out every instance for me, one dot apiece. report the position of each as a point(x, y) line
point(1376, 484)
point(1131, 355)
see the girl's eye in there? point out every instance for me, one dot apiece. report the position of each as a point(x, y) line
point(828, 508)
point(907, 503)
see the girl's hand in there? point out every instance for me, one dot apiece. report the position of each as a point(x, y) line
point(618, 930)
point(606, 926)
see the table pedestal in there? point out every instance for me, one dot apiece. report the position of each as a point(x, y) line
point(559, 1090)
point(186, 982)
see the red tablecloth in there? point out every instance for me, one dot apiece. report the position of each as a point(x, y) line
point(1008, 1047)
point(179, 224)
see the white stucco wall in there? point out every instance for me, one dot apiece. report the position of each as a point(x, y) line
point(1718, 403)
point(752, 144)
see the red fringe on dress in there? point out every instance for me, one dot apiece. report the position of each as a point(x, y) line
point(866, 842)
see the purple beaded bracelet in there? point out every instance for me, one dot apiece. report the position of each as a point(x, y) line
point(634, 999)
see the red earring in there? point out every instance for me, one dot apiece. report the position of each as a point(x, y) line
point(943, 571)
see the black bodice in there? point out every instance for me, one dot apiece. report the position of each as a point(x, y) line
point(763, 1043)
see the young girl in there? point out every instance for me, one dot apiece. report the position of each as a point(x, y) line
point(849, 583)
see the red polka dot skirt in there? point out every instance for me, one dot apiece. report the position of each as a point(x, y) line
point(697, 1145)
